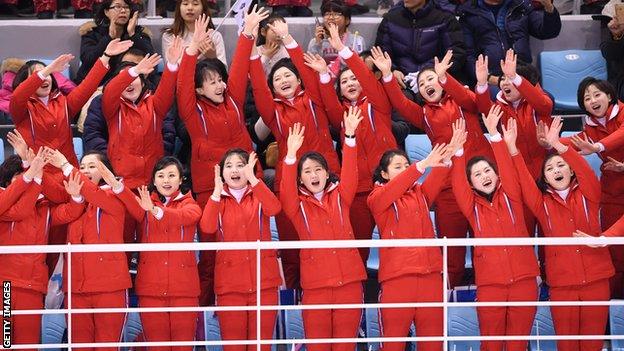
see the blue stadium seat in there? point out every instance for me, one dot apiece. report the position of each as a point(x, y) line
point(212, 330)
point(78, 147)
point(542, 326)
point(616, 322)
point(274, 234)
point(562, 71)
point(373, 256)
point(293, 325)
point(417, 147)
point(373, 329)
point(462, 321)
point(594, 160)
point(1, 150)
point(52, 329)
point(64, 72)
point(132, 328)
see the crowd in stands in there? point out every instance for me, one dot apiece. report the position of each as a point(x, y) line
point(214, 147)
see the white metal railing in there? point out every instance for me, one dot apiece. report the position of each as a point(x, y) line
point(268, 245)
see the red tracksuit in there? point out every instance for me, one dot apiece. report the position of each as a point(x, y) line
point(99, 279)
point(437, 121)
point(27, 223)
point(574, 273)
point(401, 209)
point(502, 273)
point(279, 114)
point(374, 133)
point(213, 129)
point(51, 5)
point(170, 278)
point(328, 276)
point(247, 220)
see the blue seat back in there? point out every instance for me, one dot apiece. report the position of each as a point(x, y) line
point(132, 328)
point(373, 329)
point(78, 147)
point(562, 71)
point(373, 256)
point(616, 322)
point(417, 147)
point(212, 330)
point(594, 160)
point(64, 72)
point(462, 321)
point(52, 329)
point(543, 326)
point(1, 150)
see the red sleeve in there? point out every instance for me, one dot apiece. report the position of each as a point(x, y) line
point(333, 107)
point(12, 193)
point(187, 101)
point(373, 90)
point(587, 179)
point(484, 103)
point(210, 217)
point(536, 97)
point(617, 229)
point(380, 200)
point(189, 214)
point(463, 96)
point(131, 204)
point(18, 103)
point(81, 94)
point(237, 80)
point(66, 213)
point(100, 198)
point(289, 194)
point(24, 207)
point(614, 140)
point(271, 205)
point(568, 140)
point(53, 189)
point(407, 108)
point(432, 186)
point(309, 77)
point(506, 172)
point(165, 93)
point(531, 195)
point(263, 96)
point(461, 187)
point(111, 96)
point(348, 173)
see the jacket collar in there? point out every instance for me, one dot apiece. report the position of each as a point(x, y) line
point(612, 112)
point(227, 193)
point(174, 197)
point(420, 13)
point(573, 185)
point(304, 191)
point(298, 93)
point(361, 99)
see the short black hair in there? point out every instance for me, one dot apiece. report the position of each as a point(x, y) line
point(473, 161)
point(600, 84)
point(103, 158)
point(26, 70)
point(285, 62)
point(315, 156)
point(244, 155)
point(273, 17)
point(338, 7)
point(384, 163)
point(162, 164)
point(206, 66)
point(9, 168)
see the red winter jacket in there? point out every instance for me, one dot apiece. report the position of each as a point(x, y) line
point(568, 265)
point(401, 210)
point(166, 273)
point(229, 220)
point(135, 130)
point(534, 106)
point(214, 129)
point(49, 125)
point(503, 217)
point(306, 108)
point(327, 219)
point(375, 130)
point(12, 193)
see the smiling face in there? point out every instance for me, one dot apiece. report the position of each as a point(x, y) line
point(429, 87)
point(233, 172)
point(46, 86)
point(120, 9)
point(510, 92)
point(190, 10)
point(337, 18)
point(167, 180)
point(285, 83)
point(557, 173)
point(596, 101)
point(133, 91)
point(350, 88)
point(413, 5)
point(213, 87)
point(483, 177)
point(313, 176)
point(89, 169)
point(398, 164)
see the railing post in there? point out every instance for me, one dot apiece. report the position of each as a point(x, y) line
point(445, 291)
point(258, 295)
point(69, 297)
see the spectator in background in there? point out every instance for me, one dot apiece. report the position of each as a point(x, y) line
point(301, 8)
point(45, 9)
point(334, 12)
point(416, 31)
point(613, 51)
point(491, 27)
point(186, 12)
point(270, 46)
point(114, 19)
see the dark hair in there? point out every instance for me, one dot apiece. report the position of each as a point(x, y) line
point(206, 66)
point(418, 97)
point(273, 17)
point(285, 62)
point(178, 26)
point(9, 168)
point(147, 85)
point(526, 71)
point(384, 163)
point(338, 7)
point(601, 85)
point(476, 160)
point(102, 157)
point(244, 155)
point(542, 184)
point(100, 18)
point(162, 164)
point(133, 51)
point(366, 54)
point(315, 156)
point(26, 70)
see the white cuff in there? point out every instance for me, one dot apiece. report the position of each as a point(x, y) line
point(419, 168)
point(345, 53)
point(388, 78)
point(293, 44)
point(517, 80)
point(38, 180)
point(442, 80)
point(172, 66)
point(67, 169)
point(159, 213)
point(350, 142)
point(215, 199)
point(26, 178)
point(290, 161)
point(325, 78)
point(459, 152)
point(132, 72)
point(78, 199)
point(496, 138)
point(601, 147)
point(119, 190)
point(40, 75)
point(481, 89)
point(25, 164)
point(254, 57)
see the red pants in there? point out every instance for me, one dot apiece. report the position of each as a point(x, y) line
point(290, 258)
point(395, 322)
point(241, 325)
point(450, 222)
point(501, 321)
point(580, 320)
point(206, 263)
point(169, 326)
point(26, 328)
point(362, 222)
point(98, 327)
point(334, 323)
point(609, 214)
point(50, 5)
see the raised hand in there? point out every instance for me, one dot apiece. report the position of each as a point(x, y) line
point(200, 34)
point(316, 62)
point(218, 182)
point(175, 50)
point(460, 135)
point(58, 65)
point(613, 165)
point(113, 32)
point(253, 19)
point(249, 169)
point(208, 48)
point(334, 37)
point(55, 157)
point(616, 28)
point(144, 199)
point(116, 47)
point(492, 118)
point(510, 135)
point(295, 139)
point(281, 29)
point(541, 134)
point(19, 144)
point(508, 66)
point(481, 70)
point(352, 119)
point(108, 176)
point(581, 234)
point(36, 165)
point(132, 23)
point(147, 64)
point(73, 184)
point(270, 49)
point(382, 60)
point(435, 158)
point(552, 132)
point(440, 67)
point(585, 146)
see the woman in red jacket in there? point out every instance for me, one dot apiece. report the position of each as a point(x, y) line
point(357, 86)
point(493, 205)
point(318, 206)
point(211, 104)
point(568, 200)
point(445, 101)
point(401, 209)
point(283, 102)
point(27, 223)
point(240, 210)
point(99, 279)
point(164, 279)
